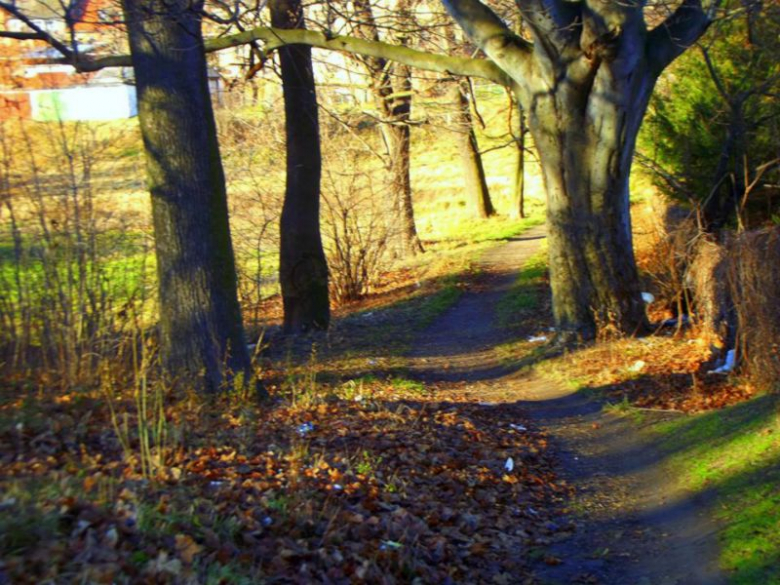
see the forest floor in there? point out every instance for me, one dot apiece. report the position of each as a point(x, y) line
point(431, 437)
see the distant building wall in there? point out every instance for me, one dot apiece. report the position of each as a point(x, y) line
point(110, 102)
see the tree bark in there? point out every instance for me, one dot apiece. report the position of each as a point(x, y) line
point(201, 333)
point(391, 85)
point(585, 82)
point(519, 131)
point(471, 159)
point(585, 136)
point(303, 270)
point(397, 135)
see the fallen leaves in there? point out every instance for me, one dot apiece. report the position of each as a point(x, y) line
point(383, 490)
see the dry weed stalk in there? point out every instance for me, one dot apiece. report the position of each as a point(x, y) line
point(754, 280)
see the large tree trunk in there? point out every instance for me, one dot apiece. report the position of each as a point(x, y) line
point(584, 83)
point(303, 271)
point(202, 337)
point(471, 159)
point(585, 136)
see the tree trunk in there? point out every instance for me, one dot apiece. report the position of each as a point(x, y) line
point(303, 270)
point(471, 160)
point(585, 136)
point(391, 85)
point(519, 131)
point(202, 337)
point(397, 135)
point(722, 204)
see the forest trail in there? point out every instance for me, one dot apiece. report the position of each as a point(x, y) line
point(633, 526)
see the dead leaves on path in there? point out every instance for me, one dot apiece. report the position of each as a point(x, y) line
point(378, 490)
point(656, 372)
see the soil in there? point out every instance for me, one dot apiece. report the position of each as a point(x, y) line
point(633, 525)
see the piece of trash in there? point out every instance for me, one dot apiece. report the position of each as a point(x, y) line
point(637, 366)
point(520, 428)
point(267, 521)
point(112, 537)
point(672, 322)
point(510, 464)
point(369, 314)
point(305, 428)
point(338, 487)
point(648, 297)
point(390, 545)
point(533, 512)
point(537, 339)
point(728, 364)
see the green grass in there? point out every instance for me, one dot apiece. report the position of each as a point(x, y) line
point(736, 453)
point(524, 295)
point(475, 231)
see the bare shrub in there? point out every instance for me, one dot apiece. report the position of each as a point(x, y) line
point(754, 280)
point(255, 169)
point(667, 251)
point(70, 265)
point(708, 280)
point(357, 229)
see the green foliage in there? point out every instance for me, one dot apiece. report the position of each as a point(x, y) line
point(524, 295)
point(704, 123)
point(410, 386)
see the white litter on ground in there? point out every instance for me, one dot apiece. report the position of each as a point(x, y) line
point(728, 365)
point(535, 339)
point(637, 366)
point(520, 428)
point(510, 464)
point(647, 297)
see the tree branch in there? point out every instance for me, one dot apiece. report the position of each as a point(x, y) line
point(41, 34)
point(553, 23)
point(276, 38)
point(22, 36)
point(669, 40)
point(491, 34)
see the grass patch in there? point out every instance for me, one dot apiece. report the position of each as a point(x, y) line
point(736, 452)
point(525, 294)
point(475, 230)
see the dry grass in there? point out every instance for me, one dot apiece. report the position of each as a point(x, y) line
point(754, 278)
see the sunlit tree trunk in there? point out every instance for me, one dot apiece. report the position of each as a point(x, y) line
point(397, 136)
point(471, 159)
point(391, 84)
point(201, 333)
point(584, 83)
point(519, 131)
point(303, 271)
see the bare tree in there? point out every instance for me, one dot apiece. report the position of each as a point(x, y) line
point(303, 271)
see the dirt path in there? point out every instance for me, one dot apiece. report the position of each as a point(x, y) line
point(633, 526)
